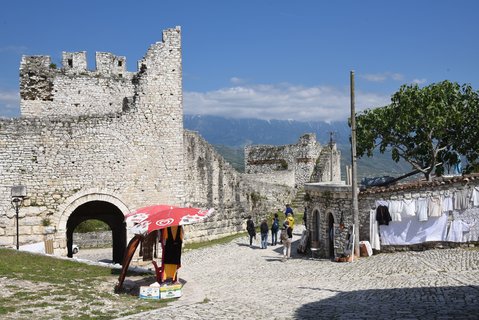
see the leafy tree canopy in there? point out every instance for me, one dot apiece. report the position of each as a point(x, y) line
point(428, 127)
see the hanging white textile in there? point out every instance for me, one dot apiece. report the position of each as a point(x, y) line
point(395, 209)
point(421, 209)
point(408, 207)
point(373, 230)
point(475, 196)
point(461, 199)
point(447, 204)
point(434, 208)
point(456, 231)
point(411, 231)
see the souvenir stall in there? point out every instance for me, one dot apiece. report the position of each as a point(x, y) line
point(164, 222)
point(444, 216)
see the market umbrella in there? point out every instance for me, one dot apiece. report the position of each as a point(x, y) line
point(156, 217)
point(151, 218)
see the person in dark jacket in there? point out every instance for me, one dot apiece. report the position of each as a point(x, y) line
point(263, 227)
point(251, 230)
point(274, 230)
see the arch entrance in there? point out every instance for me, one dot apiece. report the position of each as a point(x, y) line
point(105, 212)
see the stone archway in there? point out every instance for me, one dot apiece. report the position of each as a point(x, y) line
point(97, 204)
point(105, 212)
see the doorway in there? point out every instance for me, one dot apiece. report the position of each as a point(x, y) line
point(105, 212)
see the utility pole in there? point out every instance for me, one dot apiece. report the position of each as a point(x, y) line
point(331, 156)
point(353, 170)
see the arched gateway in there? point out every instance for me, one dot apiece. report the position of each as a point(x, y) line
point(105, 212)
point(94, 204)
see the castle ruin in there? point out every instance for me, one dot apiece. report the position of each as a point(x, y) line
point(295, 164)
point(97, 144)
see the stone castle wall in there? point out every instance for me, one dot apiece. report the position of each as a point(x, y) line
point(73, 90)
point(301, 159)
point(111, 136)
point(212, 182)
point(130, 156)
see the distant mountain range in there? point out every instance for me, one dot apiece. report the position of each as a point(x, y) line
point(230, 136)
point(237, 133)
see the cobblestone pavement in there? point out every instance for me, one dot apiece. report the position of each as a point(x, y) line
point(236, 281)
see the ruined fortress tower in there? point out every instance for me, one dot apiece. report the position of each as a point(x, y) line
point(97, 144)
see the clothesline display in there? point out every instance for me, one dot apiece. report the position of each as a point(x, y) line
point(425, 207)
point(421, 219)
point(464, 226)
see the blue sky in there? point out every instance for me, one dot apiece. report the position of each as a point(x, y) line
point(259, 58)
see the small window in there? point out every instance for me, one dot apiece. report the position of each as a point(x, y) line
point(120, 63)
point(120, 75)
point(70, 63)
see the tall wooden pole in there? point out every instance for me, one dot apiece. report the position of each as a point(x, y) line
point(354, 187)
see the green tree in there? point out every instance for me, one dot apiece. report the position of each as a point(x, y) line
point(427, 127)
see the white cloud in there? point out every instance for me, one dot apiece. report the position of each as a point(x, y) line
point(374, 77)
point(280, 101)
point(381, 77)
point(419, 81)
point(9, 103)
point(236, 80)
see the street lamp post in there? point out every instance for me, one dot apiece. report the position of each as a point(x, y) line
point(18, 194)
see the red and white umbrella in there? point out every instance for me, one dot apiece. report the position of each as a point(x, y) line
point(151, 218)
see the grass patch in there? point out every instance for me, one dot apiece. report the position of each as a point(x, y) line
point(44, 285)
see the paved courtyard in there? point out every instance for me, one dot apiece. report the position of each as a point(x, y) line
point(236, 281)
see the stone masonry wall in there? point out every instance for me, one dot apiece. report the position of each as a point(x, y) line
point(99, 239)
point(300, 158)
point(324, 199)
point(130, 157)
point(50, 92)
point(212, 182)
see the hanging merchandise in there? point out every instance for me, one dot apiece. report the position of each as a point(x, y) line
point(409, 207)
point(457, 230)
point(461, 199)
point(475, 196)
point(421, 209)
point(395, 209)
point(434, 208)
point(382, 215)
point(411, 231)
point(447, 204)
point(373, 230)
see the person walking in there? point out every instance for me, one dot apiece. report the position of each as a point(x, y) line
point(274, 230)
point(264, 229)
point(288, 210)
point(287, 238)
point(290, 219)
point(251, 230)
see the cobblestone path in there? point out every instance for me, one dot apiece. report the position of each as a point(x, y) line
point(236, 281)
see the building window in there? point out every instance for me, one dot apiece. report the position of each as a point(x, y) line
point(70, 63)
point(120, 63)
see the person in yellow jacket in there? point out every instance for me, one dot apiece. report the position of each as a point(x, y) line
point(290, 219)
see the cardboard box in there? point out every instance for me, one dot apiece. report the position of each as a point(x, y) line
point(149, 292)
point(171, 291)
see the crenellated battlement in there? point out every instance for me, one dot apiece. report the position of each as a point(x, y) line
point(74, 90)
point(107, 64)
